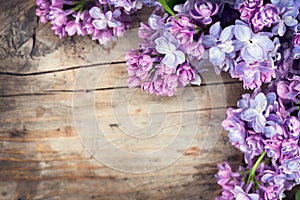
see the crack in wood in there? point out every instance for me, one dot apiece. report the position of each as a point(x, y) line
point(59, 70)
point(22, 95)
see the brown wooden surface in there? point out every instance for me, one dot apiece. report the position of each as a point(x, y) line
point(41, 154)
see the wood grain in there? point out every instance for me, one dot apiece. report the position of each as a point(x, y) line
point(42, 155)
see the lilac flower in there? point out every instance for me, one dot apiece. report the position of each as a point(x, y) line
point(133, 82)
point(184, 9)
point(296, 39)
point(220, 43)
point(254, 47)
point(273, 147)
point(248, 8)
point(293, 127)
point(102, 21)
point(272, 192)
point(288, 19)
point(291, 169)
point(168, 46)
point(182, 30)
point(138, 66)
point(288, 90)
point(224, 174)
point(127, 5)
point(290, 148)
point(253, 146)
point(203, 10)
point(153, 29)
point(254, 114)
point(236, 128)
point(266, 16)
point(75, 26)
point(282, 3)
point(195, 50)
point(186, 74)
point(43, 8)
point(240, 194)
point(254, 74)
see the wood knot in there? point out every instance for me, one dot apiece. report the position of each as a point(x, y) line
point(193, 151)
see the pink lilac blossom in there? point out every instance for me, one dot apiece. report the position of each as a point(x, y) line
point(104, 20)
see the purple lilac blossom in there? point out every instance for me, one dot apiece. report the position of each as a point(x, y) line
point(104, 20)
point(203, 11)
point(255, 113)
point(169, 47)
point(254, 47)
point(248, 7)
point(265, 17)
point(254, 75)
point(220, 44)
point(288, 18)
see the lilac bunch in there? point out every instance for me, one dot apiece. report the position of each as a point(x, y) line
point(266, 128)
point(251, 39)
point(162, 64)
point(103, 20)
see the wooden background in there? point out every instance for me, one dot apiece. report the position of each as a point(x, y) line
point(41, 154)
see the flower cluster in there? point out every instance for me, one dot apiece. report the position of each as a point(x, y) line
point(250, 39)
point(103, 20)
point(161, 65)
point(266, 128)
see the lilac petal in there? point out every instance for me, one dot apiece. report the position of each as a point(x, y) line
point(99, 24)
point(260, 122)
point(269, 131)
point(216, 56)
point(169, 60)
point(282, 89)
point(197, 80)
point(255, 52)
point(289, 21)
point(281, 29)
point(242, 33)
point(227, 33)
point(260, 102)
point(113, 24)
point(180, 56)
point(154, 21)
point(162, 45)
point(271, 98)
point(71, 28)
point(116, 13)
point(209, 41)
point(266, 177)
point(236, 136)
point(133, 82)
point(253, 196)
point(245, 55)
point(238, 45)
point(263, 41)
point(96, 13)
point(108, 15)
point(291, 12)
point(249, 115)
point(215, 30)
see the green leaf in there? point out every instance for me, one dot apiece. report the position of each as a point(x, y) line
point(167, 8)
point(298, 195)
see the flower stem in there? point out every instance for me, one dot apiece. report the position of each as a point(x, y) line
point(79, 5)
point(167, 8)
point(255, 166)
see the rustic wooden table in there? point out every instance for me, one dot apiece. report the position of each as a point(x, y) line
point(45, 155)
